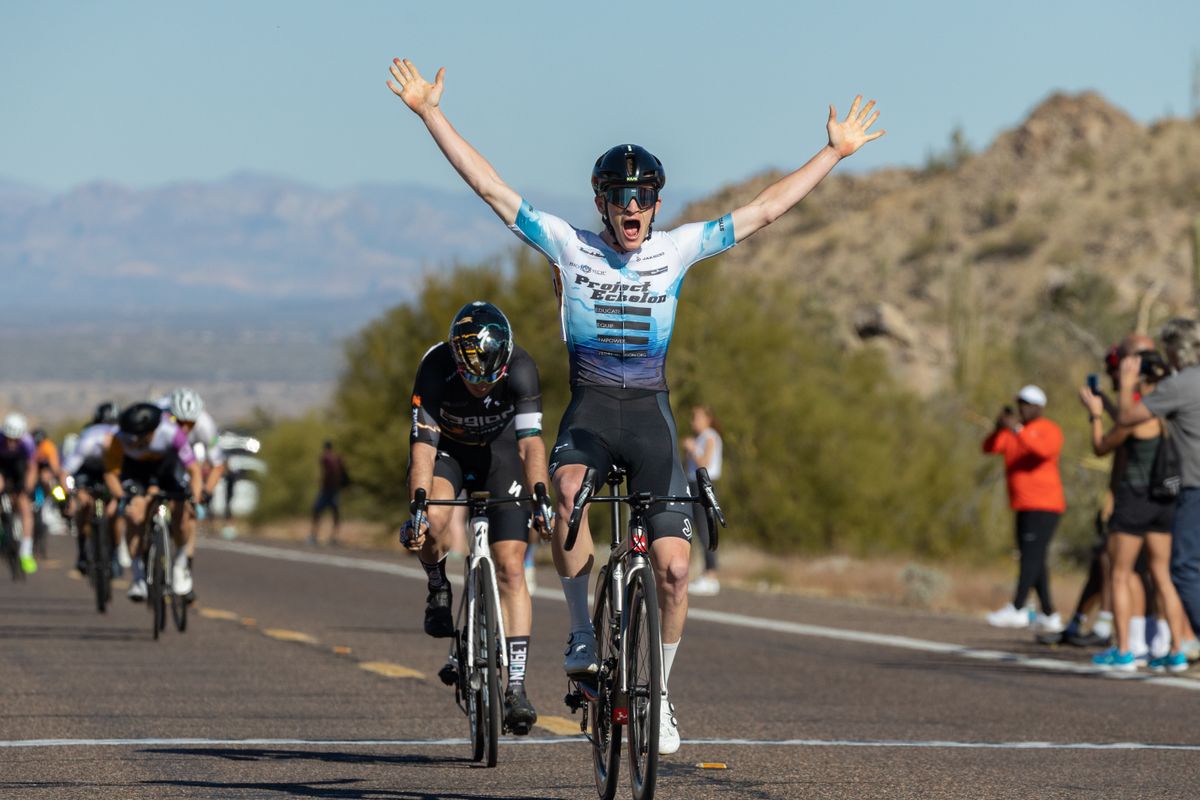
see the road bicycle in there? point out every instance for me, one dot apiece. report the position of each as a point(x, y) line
point(628, 687)
point(99, 549)
point(10, 537)
point(479, 649)
point(159, 561)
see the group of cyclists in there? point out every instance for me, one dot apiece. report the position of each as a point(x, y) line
point(121, 458)
point(476, 410)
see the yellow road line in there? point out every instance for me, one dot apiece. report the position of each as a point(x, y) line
point(341, 650)
point(560, 726)
point(249, 622)
point(75, 576)
point(217, 613)
point(284, 635)
point(390, 670)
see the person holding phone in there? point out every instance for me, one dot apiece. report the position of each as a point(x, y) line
point(1030, 444)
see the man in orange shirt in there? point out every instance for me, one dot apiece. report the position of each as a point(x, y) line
point(1030, 445)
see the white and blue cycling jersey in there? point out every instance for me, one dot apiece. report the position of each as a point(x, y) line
point(618, 309)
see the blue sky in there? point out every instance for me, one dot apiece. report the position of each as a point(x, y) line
point(151, 92)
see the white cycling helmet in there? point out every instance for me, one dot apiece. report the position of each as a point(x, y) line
point(186, 405)
point(15, 425)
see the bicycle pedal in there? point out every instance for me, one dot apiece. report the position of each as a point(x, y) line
point(574, 701)
point(448, 674)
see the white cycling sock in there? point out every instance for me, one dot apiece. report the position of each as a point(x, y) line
point(576, 592)
point(1103, 625)
point(668, 660)
point(1160, 640)
point(26, 548)
point(1137, 635)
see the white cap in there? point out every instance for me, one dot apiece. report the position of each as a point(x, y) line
point(1032, 395)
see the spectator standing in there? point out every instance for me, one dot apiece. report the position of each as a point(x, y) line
point(333, 479)
point(1139, 521)
point(1176, 400)
point(704, 450)
point(1030, 444)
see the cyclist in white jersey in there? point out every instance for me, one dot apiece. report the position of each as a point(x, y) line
point(617, 293)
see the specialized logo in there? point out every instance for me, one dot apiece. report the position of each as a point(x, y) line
point(687, 529)
point(515, 489)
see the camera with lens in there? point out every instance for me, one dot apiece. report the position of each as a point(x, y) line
point(1154, 367)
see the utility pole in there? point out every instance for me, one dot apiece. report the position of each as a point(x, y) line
point(1195, 84)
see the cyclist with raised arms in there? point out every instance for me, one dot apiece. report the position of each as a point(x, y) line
point(476, 425)
point(617, 293)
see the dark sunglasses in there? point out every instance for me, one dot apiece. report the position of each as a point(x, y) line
point(483, 379)
point(620, 196)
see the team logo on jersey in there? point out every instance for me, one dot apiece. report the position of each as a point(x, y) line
point(687, 529)
point(623, 292)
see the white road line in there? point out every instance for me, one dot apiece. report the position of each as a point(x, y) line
point(746, 621)
point(879, 743)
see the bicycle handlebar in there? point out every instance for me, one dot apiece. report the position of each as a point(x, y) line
point(586, 495)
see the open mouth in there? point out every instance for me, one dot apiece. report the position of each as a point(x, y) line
point(630, 228)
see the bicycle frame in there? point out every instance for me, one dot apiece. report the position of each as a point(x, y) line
point(480, 557)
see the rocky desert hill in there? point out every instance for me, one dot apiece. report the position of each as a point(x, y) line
point(1078, 213)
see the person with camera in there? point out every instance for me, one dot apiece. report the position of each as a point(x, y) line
point(1030, 444)
point(1176, 401)
point(1141, 517)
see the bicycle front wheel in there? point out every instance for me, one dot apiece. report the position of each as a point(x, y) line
point(487, 700)
point(101, 568)
point(157, 577)
point(605, 732)
point(643, 665)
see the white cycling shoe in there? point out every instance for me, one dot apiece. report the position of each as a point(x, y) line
point(668, 728)
point(137, 590)
point(123, 555)
point(181, 577)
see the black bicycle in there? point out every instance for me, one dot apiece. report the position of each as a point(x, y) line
point(479, 651)
point(628, 686)
point(159, 559)
point(99, 549)
point(10, 537)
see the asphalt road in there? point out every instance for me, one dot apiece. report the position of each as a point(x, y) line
point(304, 673)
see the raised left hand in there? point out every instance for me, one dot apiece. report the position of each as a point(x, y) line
point(847, 136)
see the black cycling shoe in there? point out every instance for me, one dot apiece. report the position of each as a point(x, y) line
point(81, 564)
point(519, 714)
point(439, 621)
point(448, 674)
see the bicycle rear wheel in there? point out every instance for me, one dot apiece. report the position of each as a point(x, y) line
point(486, 698)
point(605, 733)
point(643, 663)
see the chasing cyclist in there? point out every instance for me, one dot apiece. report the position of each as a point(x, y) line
point(85, 467)
point(18, 474)
point(187, 409)
point(150, 450)
point(476, 425)
point(617, 292)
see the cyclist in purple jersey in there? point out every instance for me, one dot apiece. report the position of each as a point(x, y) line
point(18, 474)
point(617, 294)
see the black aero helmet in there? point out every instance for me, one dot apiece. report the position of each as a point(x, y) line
point(627, 164)
point(140, 419)
point(106, 414)
point(481, 342)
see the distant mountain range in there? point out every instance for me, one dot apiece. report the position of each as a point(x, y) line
point(247, 242)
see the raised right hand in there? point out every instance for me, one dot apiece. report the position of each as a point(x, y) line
point(417, 93)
